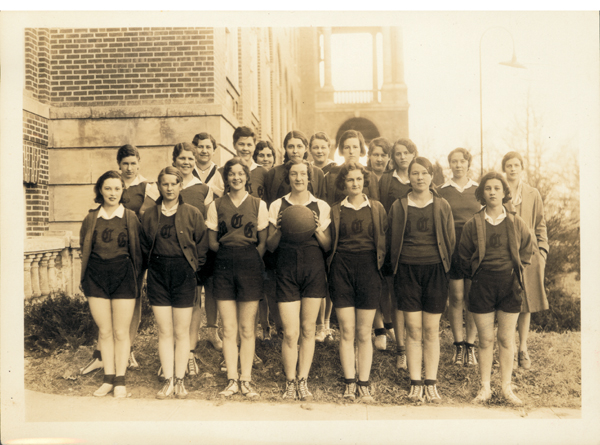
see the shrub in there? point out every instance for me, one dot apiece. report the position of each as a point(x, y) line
point(564, 313)
point(58, 321)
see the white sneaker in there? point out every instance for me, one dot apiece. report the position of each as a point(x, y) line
point(321, 333)
point(381, 342)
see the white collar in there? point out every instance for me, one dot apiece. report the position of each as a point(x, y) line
point(211, 166)
point(311, 198)
point(192, 182)
point(498, 220)
point(254, 165)
point(171, 211)
point(117, 213)
point(518, 198)
point(397, 176)
point(450, 183)
point(243, 199)
point(414, 204)
point(365, 203)
point(138, 179)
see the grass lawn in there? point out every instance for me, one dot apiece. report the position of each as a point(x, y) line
point(554, 379)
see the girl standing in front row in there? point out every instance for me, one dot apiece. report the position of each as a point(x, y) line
point(237, 225)
point(358, 227)
point(111, 262)
point(494, 248)
point(422, 239)
point(174, 247)
point(301, 278)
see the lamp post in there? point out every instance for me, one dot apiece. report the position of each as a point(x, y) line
point(512, 63)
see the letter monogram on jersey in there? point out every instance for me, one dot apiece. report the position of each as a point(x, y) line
point(222, 229)
point(236, 221)
point(423, 224)
point(122, 239)
point(107, 235)
point(165, 231)
point(357, 226)
point(248, 230)
point(495, 240)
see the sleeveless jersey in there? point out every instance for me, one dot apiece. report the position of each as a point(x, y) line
point(109, 239)
point(195, 195)
point(420, 243)
point(497, 253)
point(285, 244)
point(238, 226)
point(165, 243)
point(356, 230)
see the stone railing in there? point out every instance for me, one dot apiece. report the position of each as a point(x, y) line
point(354, 97)
point(52, 264)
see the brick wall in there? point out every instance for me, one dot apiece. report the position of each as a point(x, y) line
point(131, 66)
point(37, 72)
point(35, 158)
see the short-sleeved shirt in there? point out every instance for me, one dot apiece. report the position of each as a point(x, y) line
point(212, 178)
point(237, 226)
point(320, 207)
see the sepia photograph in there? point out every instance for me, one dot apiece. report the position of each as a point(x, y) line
point(299, 227)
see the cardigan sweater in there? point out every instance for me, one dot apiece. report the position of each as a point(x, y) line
point(443, 224)
point(472, 243)
point(190, 229)
point(133, 236)
point(380, 225)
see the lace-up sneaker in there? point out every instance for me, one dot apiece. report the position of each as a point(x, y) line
point(167, 389)
point(248, 390)
point(105, 389)
point(303, 391)
point(432, 395)
point(380, 342)
point(160, 375)
point(459, 354)
point(290, 392)
point(192, 367)
point(91, 366)
point(401, 361)
point(231, 388)
point(470, 357)
point(364, 394)
point(132, 364)
point(329, 336)
point(120, 392)
point(416, 393)
point(321, 333)
point(180, 391)
point(350, 391)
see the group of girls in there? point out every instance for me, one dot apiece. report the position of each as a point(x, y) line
point(387, 248)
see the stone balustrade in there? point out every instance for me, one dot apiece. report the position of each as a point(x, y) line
point(52, 264)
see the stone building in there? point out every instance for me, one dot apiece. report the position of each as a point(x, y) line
point(90, 91)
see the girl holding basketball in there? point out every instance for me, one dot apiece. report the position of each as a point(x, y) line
point(237, 231)
point(421, 242)
point(358, 228)
point(301, 276)
point(111, 262)
point(174, 245)
point(495, 246)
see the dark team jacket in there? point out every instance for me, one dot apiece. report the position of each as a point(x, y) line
point(190, 229)
point(133, 235)
point(443, 225)
point(472, 243)
point(332, 194)
point(275, 177)
point(379, 235)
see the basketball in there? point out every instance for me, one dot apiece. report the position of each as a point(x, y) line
point(297, 224)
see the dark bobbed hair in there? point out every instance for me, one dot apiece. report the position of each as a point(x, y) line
point(170, 171)
point(227, 168)
point(340, 180)
point(202, 136)
point(295, 134)
point(111, 174)
point(320, 135)
point(243, 132)
point(260, 147)
point(126, 151)
point(184, 146)
point(349, 134)
point(410, 146)
point(288, 165)
point(511, 155)
point(382, 142)
point(481, 187)
point(428, 166)
point(464, 152)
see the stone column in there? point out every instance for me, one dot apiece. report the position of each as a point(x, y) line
point(398, 56)
point(35, 275)
point(327, 51)
point(375, 74)
point(387, 55)
point(27, 267)
point(52, 281)
point(67, 271)
point(44, 285)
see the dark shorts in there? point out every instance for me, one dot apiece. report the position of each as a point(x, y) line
point(456, 272)
point(238, 274)
point(495, 291)
point(300, 274)
point(111, 279)
point(207, 269)
point(421, 288)
point(355, 281)
point(171, 282)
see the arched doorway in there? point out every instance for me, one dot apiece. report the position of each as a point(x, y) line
point(365, 126)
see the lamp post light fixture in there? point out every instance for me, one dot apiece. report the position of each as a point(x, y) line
point(513, 63)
